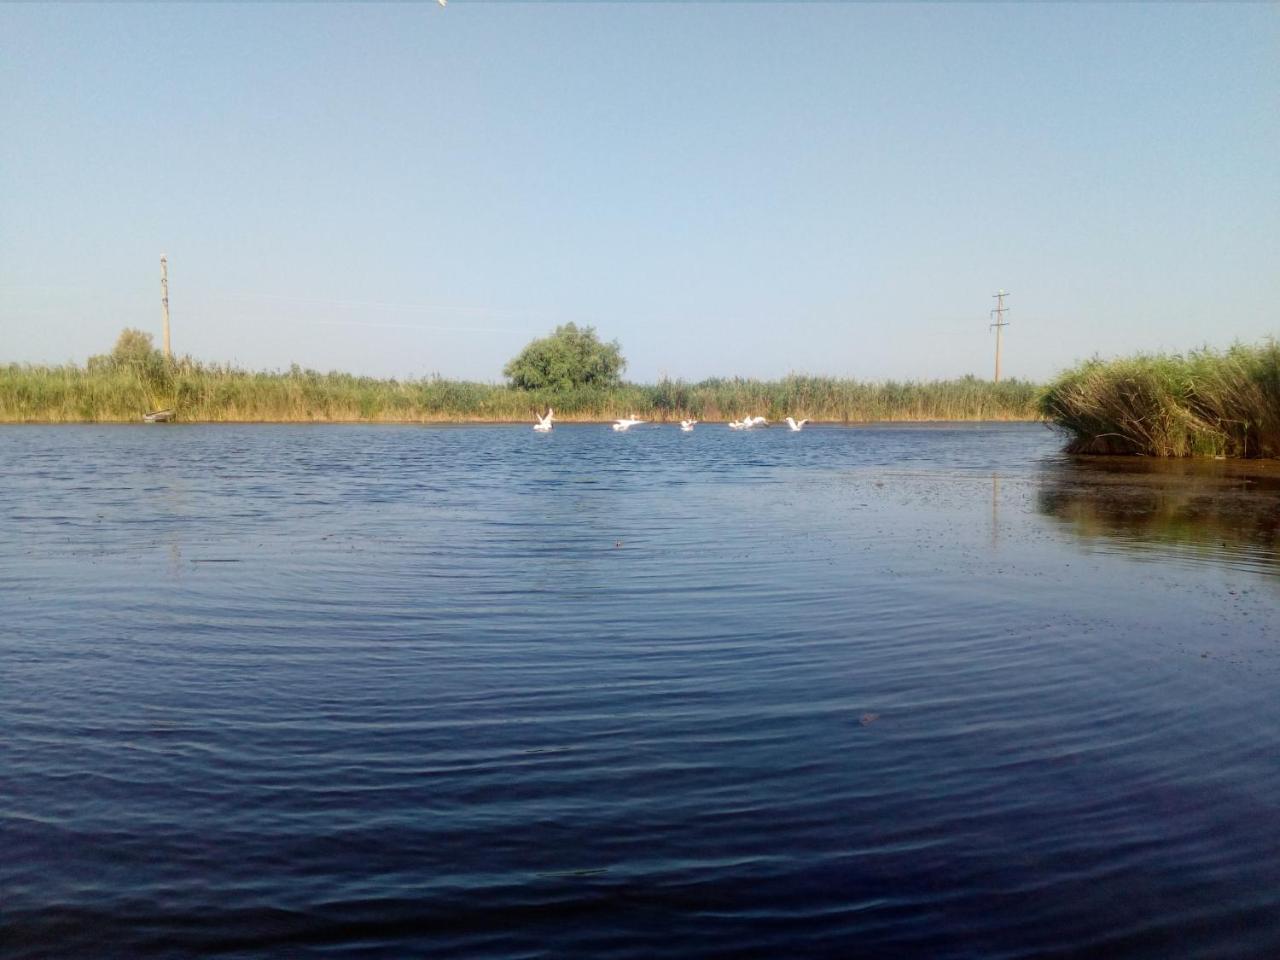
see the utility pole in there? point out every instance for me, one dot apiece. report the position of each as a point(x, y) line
point(164, 304)
point(999, 323)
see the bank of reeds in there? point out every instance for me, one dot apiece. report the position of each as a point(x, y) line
point(1201, 404)
point(120, 391)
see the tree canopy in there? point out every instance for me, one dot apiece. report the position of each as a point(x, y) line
point(571, 356)
point(134, 348)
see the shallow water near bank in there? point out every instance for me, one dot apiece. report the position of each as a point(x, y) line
point(478, 692)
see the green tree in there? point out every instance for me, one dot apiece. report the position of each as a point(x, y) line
point(571, 356)
point(133, 346)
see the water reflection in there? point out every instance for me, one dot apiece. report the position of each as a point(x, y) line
point(995, 511)
point(1214, 509)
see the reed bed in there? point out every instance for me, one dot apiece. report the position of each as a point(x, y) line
point(199, 392)
point(1201, 404)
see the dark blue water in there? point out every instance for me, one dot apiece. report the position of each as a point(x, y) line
point(476, 692)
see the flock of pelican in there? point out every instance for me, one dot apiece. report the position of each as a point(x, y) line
point(626, 423)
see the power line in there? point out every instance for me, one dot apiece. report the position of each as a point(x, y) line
point(998, 324)
point(164, 302)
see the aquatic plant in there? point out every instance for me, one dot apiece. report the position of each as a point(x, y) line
point(123, 391)
point(1203, 403)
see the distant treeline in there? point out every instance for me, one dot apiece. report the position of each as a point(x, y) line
point(117, 389)
point(1204, 403)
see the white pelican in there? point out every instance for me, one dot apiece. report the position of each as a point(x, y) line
point(626, 423)
point(544, 423)
point(738, 425)
point(687, 425)
point(797, 426)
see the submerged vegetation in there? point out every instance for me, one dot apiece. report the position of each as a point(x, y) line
point(1205, 403)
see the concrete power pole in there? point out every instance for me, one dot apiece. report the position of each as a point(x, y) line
point(164, 302)
point(998, 324)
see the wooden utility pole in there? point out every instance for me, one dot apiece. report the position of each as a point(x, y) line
point(999, 324)
point(164, 302)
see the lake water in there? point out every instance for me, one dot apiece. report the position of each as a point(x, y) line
point(320, 691)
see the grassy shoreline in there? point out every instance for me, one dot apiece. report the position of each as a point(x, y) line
point(122, 393)
point(1201, 404)
point(439, 422)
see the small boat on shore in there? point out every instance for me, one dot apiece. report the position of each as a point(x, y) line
point(158, 416)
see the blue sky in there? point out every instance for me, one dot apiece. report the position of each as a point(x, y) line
point(728, 189)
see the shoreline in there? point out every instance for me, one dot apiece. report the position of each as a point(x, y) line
point(444, 422)
point(121, 392)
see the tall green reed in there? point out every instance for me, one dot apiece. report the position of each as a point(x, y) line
point(1203, 403)
point(111, 391)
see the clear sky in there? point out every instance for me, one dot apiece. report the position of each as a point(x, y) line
point(728, 189)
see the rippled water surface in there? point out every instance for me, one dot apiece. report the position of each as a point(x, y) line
point(400, 691)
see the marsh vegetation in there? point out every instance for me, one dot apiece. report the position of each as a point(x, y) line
point(211, 392)
point(580, 378)
point(1205, 403)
